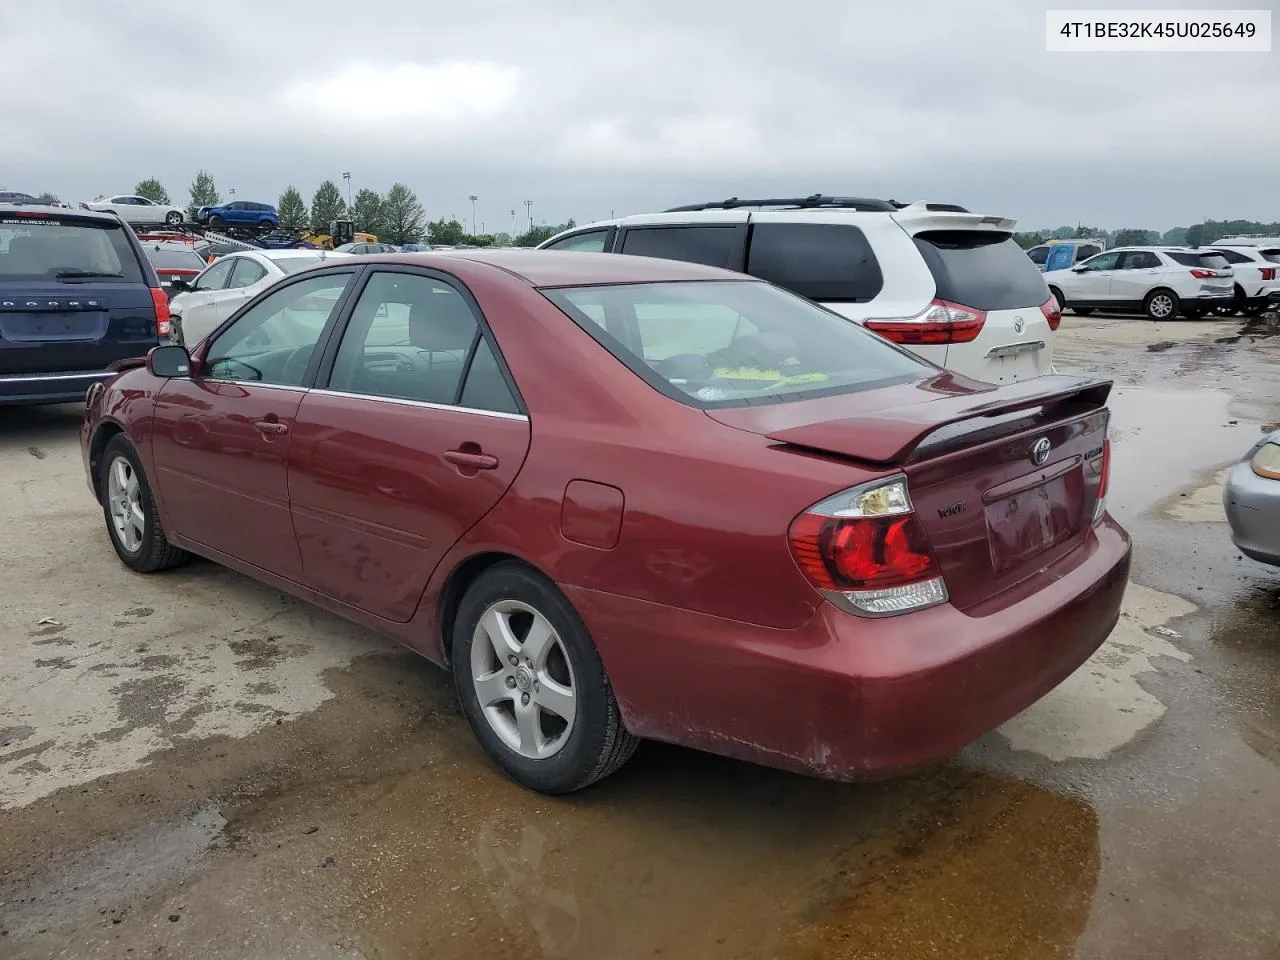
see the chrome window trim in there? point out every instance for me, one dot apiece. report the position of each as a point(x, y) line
point(401, 401)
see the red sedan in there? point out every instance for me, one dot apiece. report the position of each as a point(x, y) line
point(625, 498)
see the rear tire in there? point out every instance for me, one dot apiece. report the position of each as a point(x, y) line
point(1161, 304)
point(547, 664)
point(1082, 311)
point(133, 522)
point(215, 221)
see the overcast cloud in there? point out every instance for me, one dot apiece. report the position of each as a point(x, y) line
point(587, 108)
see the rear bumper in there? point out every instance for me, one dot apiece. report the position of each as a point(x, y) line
point(1208, 302)
point(1252, 505)
point(30, 389)
point(849, 698)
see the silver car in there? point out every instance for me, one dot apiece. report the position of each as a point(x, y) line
point(1252, 501)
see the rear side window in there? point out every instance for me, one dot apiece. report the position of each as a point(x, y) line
point(68, 250)
point(1207, 261)
point(713, 246)
point(981, 269)
point(822, 261)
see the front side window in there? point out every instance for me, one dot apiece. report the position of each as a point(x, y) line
point(216, 277)
point(273, 341)
point(592, 242)
point(713, 246)
point(1139, 260)
point(828, 262)
point(1038, 255)
point(1086, 250)
point(733, 343)
point(1106, 261)
point(409, 338)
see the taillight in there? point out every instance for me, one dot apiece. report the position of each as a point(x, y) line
point(1204, 274)
point(1102, 465)
point(161, 301)
point(1268, 273)
point(940, 322)
point(1052, 312)
point(866, 551)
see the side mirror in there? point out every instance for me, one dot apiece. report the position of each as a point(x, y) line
point(177, 283)
point(1077, 269)
point(169, 360)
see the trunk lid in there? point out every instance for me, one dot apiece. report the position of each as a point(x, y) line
point(1004, 481)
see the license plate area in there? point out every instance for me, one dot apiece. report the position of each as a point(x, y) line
point(49, 325)
point(1031, 521)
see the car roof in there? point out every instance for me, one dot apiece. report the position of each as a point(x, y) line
point(563, 268)
point(291, 253)
point(61, 213)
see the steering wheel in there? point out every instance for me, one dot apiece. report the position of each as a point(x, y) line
point(295, 368)
point(685, 366)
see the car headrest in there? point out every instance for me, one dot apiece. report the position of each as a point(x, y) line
point(441, 321)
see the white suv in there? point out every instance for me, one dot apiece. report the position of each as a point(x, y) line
point(949, 285)
point(1161, 282)
point(1256, 264)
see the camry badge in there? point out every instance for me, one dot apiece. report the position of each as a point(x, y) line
point(1040, 451)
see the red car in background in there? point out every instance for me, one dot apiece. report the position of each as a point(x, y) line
point(628, 498)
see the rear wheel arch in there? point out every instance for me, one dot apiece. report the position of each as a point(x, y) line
point(101, 437)
point(456, 585)
point(1057, 295)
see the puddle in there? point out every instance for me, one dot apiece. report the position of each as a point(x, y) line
point(1161, 438)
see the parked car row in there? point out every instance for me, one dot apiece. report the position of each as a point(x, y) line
point(1164, 282)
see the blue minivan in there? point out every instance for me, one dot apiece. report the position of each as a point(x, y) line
point(77, 293)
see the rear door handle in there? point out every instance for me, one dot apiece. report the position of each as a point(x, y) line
point(471, 459)
point(271, 426)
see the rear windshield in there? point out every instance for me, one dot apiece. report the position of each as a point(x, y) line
point(734, 343)
point(168, 259)
point(71, 251)
point(981, 269)
point(1209, 261)
point(294, 264)
point(1234, 256)
point(1271, 256)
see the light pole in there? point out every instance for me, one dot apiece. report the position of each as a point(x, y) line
point(347, 177)
point(233, 193)
point(513, 224)
point(528, 207)
point(473, 198)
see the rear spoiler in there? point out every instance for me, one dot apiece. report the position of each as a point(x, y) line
point(891, 436)
point(917, 218)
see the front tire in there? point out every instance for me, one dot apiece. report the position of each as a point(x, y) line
point(1161, 304)
point(173, 218)
point(1057, 295)
point(133, 522)
point(532, 685)
point(215, 221)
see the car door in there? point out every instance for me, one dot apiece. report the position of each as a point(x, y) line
point(221, 437)
point(415, 434)
point(197, 306)
point(248, 279)
point(1135, 274)
point(1090, 283)
point(143, 212)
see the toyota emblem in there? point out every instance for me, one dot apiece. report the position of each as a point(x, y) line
point(1040, 451)
point(1018, 324)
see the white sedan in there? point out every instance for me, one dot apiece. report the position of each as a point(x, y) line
point(139, 211)
point(231, 282)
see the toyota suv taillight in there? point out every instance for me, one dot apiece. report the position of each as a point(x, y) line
point(1052, 312)
point(865, 550)
point(940, 322)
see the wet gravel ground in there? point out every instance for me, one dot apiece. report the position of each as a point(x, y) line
point(193, 765)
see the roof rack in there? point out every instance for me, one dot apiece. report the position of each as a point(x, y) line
point(820, 201)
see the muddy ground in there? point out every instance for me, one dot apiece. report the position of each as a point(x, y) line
point(195, 766)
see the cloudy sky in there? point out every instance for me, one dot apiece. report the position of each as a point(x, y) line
point(587, 108)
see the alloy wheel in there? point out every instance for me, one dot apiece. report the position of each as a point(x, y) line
point(523, 680)
point(124, 499)
point(1161, 306)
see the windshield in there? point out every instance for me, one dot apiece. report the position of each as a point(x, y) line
point(67, 250)
point(170, 259)
point(294, 264)
point(732, 343)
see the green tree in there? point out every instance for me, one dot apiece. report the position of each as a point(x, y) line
point(1132, 237)
point(48, 197)
point(326, 206)
point(1175, 237)
point(1086, 233)
point(1195, 235)
point(204, 193)
point(448, 232)
point(152, 189)
point(1028, 240)
point(531, 238)
point(292, 210)
point(366, 211)
point(402, 215)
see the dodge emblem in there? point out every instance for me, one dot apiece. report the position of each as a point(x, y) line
point(1040, 451)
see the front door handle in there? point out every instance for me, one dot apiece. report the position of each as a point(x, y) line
point(271, 426)
point(470, 458)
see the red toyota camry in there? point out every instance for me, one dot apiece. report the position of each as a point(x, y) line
point(624, 498)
